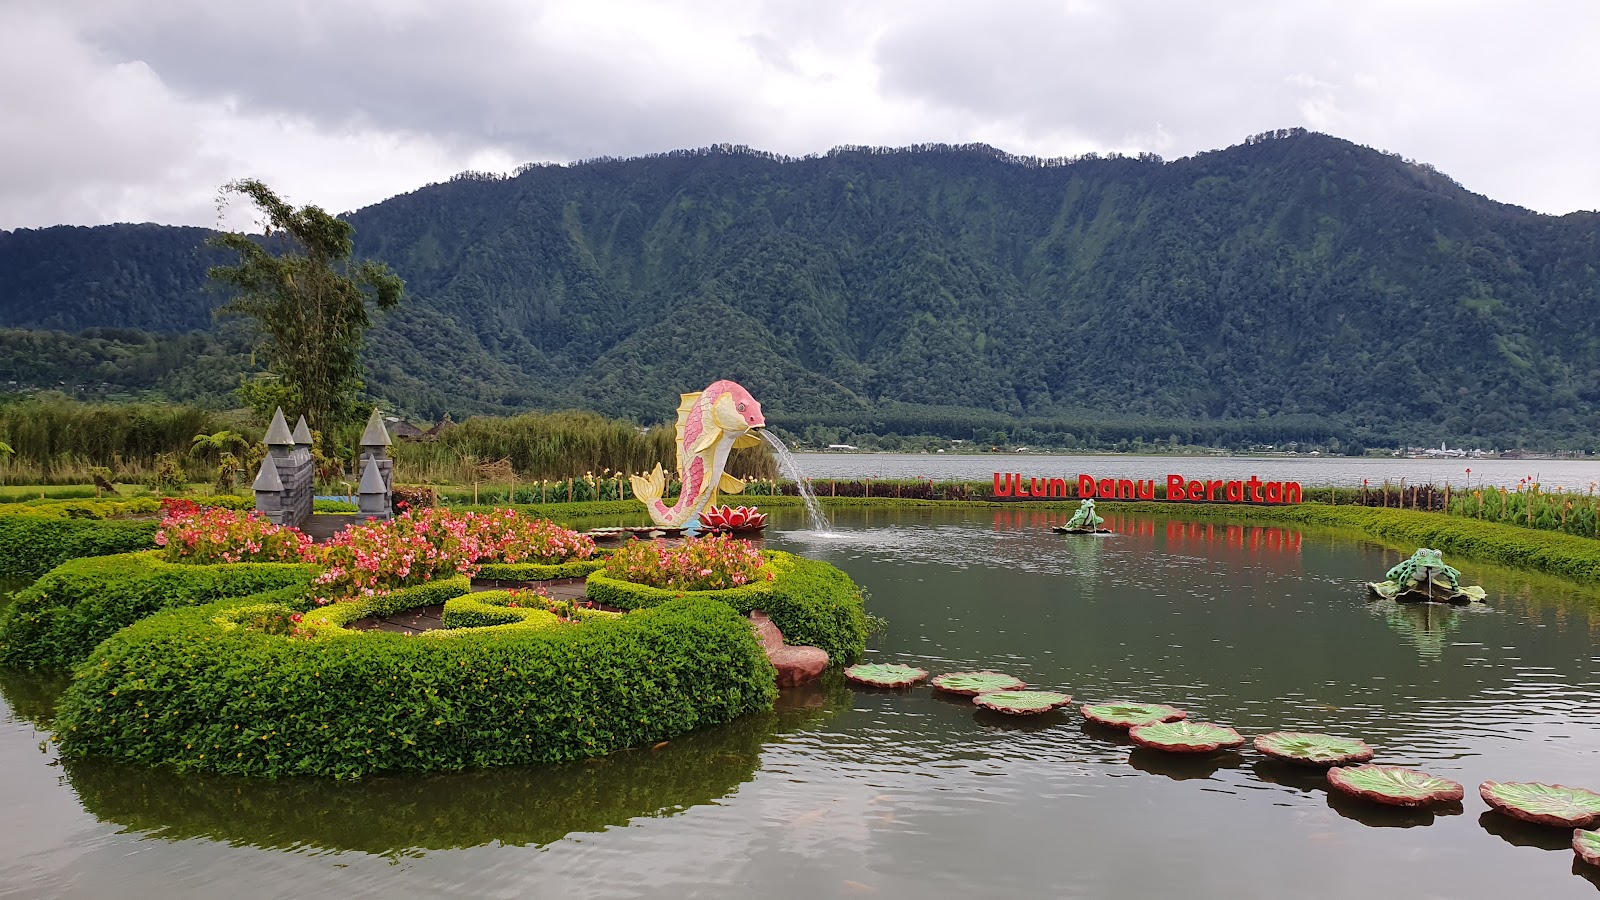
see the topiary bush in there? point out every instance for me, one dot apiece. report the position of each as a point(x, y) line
point(194, 690)
point(811, 602)
point(578, 568)
point(32, 545)
point(60, 618)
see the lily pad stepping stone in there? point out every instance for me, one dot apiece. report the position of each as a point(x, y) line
point(1394, 785)
point(1543, 804)
point(971, 684)
point(886, 675)
point(1185, 737)
point(1311, 749)
point(1022, 703)
point(1587, 845)
point(1127, 715)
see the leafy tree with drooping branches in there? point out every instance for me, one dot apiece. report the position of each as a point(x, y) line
point(308, 298)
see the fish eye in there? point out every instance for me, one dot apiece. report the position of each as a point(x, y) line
point(741, 407)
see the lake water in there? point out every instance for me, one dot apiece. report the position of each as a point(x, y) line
point(856, 793)
point(1324, 471)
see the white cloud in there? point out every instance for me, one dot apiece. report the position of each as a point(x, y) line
point(121, 110)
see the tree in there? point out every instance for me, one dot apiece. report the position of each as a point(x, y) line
point(308, 298)
point(206, 446)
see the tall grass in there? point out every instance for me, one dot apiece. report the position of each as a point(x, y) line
point(1529, 506)
point(58, 441)
point(549, 447)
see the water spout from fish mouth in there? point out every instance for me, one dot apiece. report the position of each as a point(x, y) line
point(814, 516)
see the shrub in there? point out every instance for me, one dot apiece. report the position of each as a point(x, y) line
point(60, 618)
point(708, 563)
point(535, 571)
point(179, 689)
point(33, 545)
point(528, 609)
point(811, 602)
point(213, 535)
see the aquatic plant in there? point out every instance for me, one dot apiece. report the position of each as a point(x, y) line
point(1308, 748)
point(1543, 804)
point(1126, 715)
point(1587, 845)
point(886, 675)
point(971, 684)
point(1022, 703)
point(1185, 737)
point(1394, 785)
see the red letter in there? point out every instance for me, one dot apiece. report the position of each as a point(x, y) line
point(1147, 489)
point(1255, 489)
point(1124, 489)
point(1107, 488)
point(1085, 487)
point(1041, 486)
point(1211, 489)
point(1002, 485)
point(1197, 490)
point(1175, 488)
point(1235, 491)
point(1291, 492)
point(1022, 490)
point(1274, 492)
point(1058, 487)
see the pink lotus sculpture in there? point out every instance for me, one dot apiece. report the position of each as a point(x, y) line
point(730, 518)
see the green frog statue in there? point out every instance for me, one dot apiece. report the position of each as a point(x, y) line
point(1084, 521)
point(1425, 577)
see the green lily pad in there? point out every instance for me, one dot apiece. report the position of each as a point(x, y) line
point(1543, 804)
point(886, 675)
point(1022, 703)
point(1394, 785)
point(971, 684)
point(1587, 845)
point(1185, 737)
point(1127, 715)
point(1311, 749)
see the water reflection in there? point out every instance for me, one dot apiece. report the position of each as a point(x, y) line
point(1184, 766)
point(407, 814)
point(1378, 815)
point(1518, 833)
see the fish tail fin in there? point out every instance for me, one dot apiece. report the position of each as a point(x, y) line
point(649, 488)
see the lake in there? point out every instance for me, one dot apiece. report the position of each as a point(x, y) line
point(1311, 471)
point(860, 793)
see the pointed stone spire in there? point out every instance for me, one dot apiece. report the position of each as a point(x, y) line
point(302, 433)
point(267, 480)
point(376, 436)
point(374, 499)
point(371, 478)
point(278, 432)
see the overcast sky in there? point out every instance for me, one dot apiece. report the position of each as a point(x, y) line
point(137, 110)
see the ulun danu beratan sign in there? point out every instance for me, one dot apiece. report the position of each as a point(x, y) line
point(1251, 490)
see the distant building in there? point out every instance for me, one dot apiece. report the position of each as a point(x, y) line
point(842, 447)
point(402, 430)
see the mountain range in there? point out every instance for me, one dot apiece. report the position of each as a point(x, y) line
point(1294, 286)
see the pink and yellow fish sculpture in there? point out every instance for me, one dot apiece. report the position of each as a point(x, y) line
point(710, 424)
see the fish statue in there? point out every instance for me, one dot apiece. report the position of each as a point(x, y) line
point(710, 424)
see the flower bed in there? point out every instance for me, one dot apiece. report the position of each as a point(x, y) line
point(711, 563)
point(201, 690)
point(208, 535)
point(424, 544)
point(811, 602)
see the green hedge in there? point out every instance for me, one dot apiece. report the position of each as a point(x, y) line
point(186, 688)
point(58, 620)
point(488, 609)
point(536, 571)
point(811, 602)
point(33, 545)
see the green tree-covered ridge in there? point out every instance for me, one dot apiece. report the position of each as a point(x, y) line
point(1297, 282)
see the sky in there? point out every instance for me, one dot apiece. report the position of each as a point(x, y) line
point(140, 110)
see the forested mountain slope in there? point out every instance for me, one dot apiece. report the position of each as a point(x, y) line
point(1294, 278)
